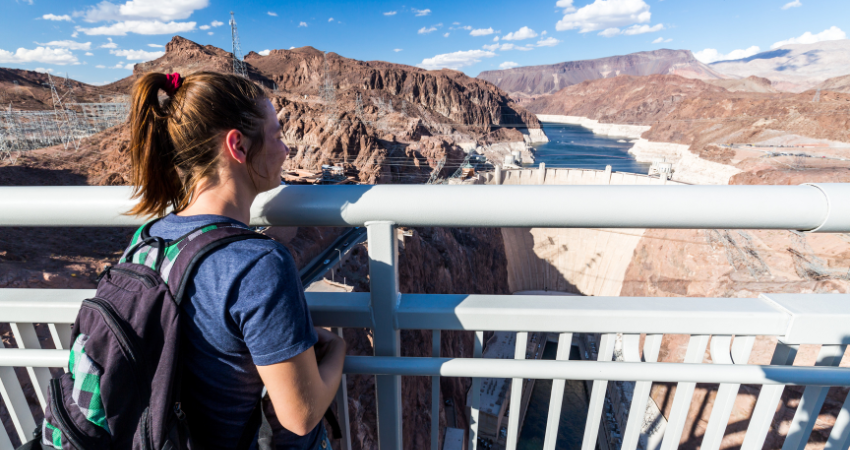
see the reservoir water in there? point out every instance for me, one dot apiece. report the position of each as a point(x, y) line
point(574, 146)
point(573, 412)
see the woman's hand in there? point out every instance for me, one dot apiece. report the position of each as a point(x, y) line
point(328, 340)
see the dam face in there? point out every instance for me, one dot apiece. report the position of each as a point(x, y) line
point(579, 261)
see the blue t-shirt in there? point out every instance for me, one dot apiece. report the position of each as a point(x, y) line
point(245, 307)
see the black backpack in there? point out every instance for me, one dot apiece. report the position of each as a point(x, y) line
point(122, 389)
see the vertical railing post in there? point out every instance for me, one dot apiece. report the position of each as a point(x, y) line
point(435, 394)
point(342, 407)
point(383, 273)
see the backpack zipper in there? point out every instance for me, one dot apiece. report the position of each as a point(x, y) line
point(147, 280)
point(111, 318)
point(65, 424)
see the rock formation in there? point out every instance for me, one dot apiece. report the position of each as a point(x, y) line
point(534, 81)
point(30, 90)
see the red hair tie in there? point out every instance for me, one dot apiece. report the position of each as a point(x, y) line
point(174, 83)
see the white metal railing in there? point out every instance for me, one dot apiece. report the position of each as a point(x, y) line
point(796, 319)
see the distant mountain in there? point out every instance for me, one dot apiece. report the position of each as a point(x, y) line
point(532, 81)
point(794, 68)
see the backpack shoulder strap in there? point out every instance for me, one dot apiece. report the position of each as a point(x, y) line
point(182, 256)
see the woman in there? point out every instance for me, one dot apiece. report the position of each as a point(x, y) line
point(205, 151)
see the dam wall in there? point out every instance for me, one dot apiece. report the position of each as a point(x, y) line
point(580, 261)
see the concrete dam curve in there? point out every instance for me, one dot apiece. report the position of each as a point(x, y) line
point(578, 261)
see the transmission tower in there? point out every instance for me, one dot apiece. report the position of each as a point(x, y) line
point(358, 107)
point(238, 64)
point(817, 97)
point(64, 120)
point(328, 92)
point(436, 171)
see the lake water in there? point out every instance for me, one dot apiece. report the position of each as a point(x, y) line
point(574, 146)
point(573, 412)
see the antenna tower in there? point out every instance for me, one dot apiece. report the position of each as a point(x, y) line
point(328, 92)
point(238, 64)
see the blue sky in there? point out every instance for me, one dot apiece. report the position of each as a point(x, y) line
point(97, 42)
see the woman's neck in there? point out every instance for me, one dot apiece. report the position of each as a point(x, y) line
point(222, 200)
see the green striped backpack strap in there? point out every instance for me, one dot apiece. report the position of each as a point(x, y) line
point(158, 254)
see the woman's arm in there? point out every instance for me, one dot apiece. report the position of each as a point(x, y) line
point(301, 388)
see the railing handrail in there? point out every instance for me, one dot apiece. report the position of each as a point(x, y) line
point(805, 207)
point(797, 319)
point(535, 369)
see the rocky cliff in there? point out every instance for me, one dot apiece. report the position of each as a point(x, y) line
point(547, 79)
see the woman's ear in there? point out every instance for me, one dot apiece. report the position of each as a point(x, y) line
point(237, 145)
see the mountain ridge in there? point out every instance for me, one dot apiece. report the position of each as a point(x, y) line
point(532, 81)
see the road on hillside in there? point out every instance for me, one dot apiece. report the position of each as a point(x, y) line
point(328, 258)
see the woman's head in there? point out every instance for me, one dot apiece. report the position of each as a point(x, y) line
point(215, 128)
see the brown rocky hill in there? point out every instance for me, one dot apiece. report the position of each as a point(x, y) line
point(750, 84)
point(837, 84)
point(30, 90)
point(547, 79)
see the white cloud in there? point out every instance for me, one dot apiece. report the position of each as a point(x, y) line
point(390, 13)
point(137, 55)
point(109, 44)
point(794, 4)
point(661, 40)
point(331, 19)
point(156, 45)
point(89, 54)
point(216, 23)
point(508, 65)
point(421, 12)
point(42, 70)
point(711, 55)
point(210, 33)
point(481, 32)
point(64, 17)
point(465, 27)
point(566, 5)
point(162, 10)
point(100, 66)
point(642, 29)
point(513, 47)
point(548, 42)
point(302, 24)
point(605, 14)
point(72, 45)
point(455, 60)
point(397, 50)
point(491, 47)
point(128, 66)
point(446, 35)
point(272, 13)
point(204, 27)
point(75, 34)
point(455, 23)
point(522, 33)
point(265, 52)
point(139, 27)
point(609, 32)
point(544, 33)
point(830, 34)
point(426, 30)
point(60, 56)
point(495, 38)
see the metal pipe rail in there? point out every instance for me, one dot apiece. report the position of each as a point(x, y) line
point(814, 207)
